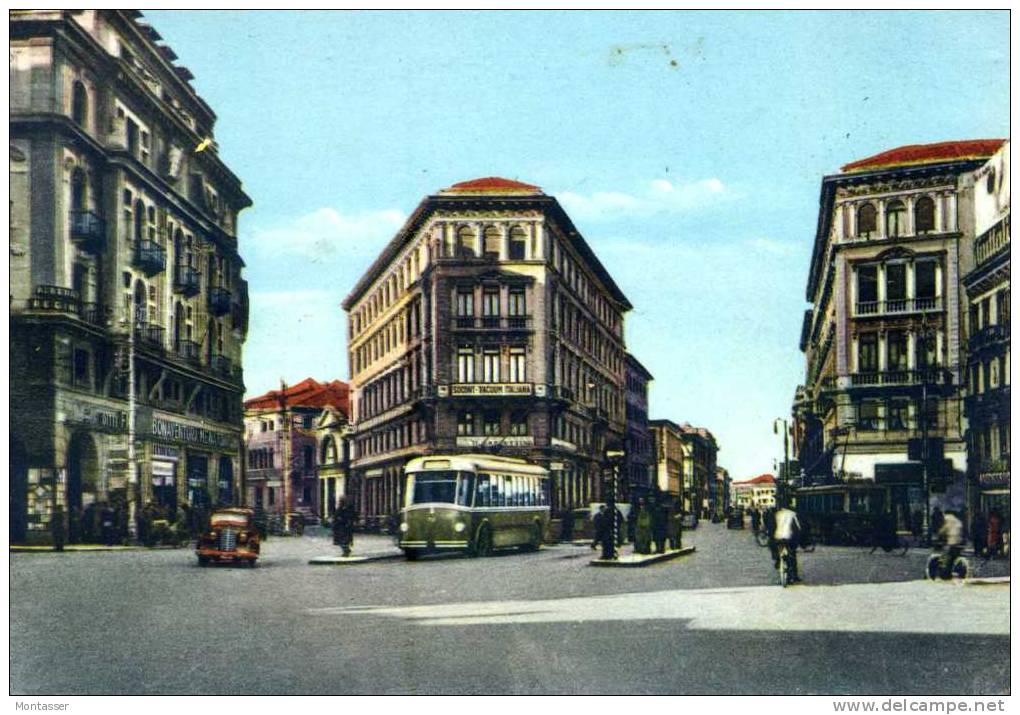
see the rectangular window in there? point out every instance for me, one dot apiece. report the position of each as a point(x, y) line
point(490, 366)
point(867, 352)
point(867, 415)
point(867, 284)
point(81, 367)
point(466, 424)
point(896, 350)
point(515, 302)
point(519, 424)
point(466, 365)
point(465, 303)
point(490, 426)
point(924, 279)
point(490, 308)
point(517, 365)
point(895, 281)
point(898, 415)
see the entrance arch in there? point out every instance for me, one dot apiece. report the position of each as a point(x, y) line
point(82, 480)
point(19, 491)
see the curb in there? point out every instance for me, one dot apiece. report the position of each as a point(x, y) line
point(987, 581)
point(643, 560)
point(70, 549)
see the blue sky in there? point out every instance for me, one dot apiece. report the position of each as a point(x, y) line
point(687, 147)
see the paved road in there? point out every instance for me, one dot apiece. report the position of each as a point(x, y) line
point(153, 622)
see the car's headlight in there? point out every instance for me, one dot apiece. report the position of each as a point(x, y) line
point(459, 526)
point(404, 526)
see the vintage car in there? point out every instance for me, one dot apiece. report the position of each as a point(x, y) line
point(232, 537)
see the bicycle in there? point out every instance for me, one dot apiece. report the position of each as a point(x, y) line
point(787, 564)
point(939, 568)
point(761, 537)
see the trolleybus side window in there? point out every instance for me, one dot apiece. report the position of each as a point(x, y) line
point(482, 491)
point(465, 488)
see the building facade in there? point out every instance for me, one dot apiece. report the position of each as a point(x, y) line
point(884, 338)
point(986, 404)
point(287, 433)
point(332, 433)
point(640, 446)
point(721, 505)
point(758, 493)
point(700, 455)
point(128, 309)
point(486, 325)
point(669, 467)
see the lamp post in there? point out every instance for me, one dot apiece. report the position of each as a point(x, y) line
point(785, 481)
point(928, 338)
point(614, 456)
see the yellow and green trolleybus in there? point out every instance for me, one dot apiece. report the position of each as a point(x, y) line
point(473, 503)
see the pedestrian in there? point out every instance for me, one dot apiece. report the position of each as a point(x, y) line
point(979, 533)
point(597, 525)
point(343, 526)
point(936, 521)
point(643, 529)
point(994, 541)
point(604, 533)
point(57, 528)
point(567, 533)
point(755, 521)
point(675, 527)
point(632, 523)
point(659, 526)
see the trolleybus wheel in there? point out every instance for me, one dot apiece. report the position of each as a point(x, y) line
point(536, 538)
point(411, 554)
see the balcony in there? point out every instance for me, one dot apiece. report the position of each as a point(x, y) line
point(931, 376)
point(150, 335)
point(149, 257)
point(188, 350)
point(55, 299)
point(989, 335)
point(186, 281)
point(489, 322)
point(897, 307)
point(88, 231)
point(95, 314)
point(219, 301)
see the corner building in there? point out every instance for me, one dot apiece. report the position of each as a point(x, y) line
point(124, 264)
point(487, 325)
point(884, 339)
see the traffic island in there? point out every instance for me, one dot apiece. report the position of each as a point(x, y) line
point(46, 548)
point(347, 560)
point(635, 560)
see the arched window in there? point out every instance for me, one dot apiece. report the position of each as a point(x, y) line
point(895, 219)
point(465, 242)
point(866, 220)
point(79, 104)
point(78, 190)
point(924, 215)
point(492, 241)
point(518, 243)
point(328, 451)
point(139, 220)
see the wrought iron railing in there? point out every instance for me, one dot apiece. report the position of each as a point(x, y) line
point(150, 257)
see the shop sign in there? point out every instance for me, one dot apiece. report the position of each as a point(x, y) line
point(491, 390)
point(993, 479)
point(95, 416)
point(516, 441)
point(172, 431)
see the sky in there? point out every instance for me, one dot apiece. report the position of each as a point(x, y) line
point(687, 147)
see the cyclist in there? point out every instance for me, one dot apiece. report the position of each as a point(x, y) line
point(785, 533)
point(950, 535)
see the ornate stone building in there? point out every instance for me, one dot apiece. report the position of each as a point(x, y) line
point(640, 446)
point(986, 404)
point(128, 310)
point(486, 325)
point(668, 464)
point(884, 338)
point(289, 433)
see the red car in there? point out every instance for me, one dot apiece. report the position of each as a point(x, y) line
point(232, 537)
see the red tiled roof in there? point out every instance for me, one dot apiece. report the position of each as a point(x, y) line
point(760, 479)
point(307, 393)
point(492, 184)
point(914, 154)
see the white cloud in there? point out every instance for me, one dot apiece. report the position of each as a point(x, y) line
point(326, 233)
point(658, 196)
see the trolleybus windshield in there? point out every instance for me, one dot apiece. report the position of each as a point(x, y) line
point(432, 487)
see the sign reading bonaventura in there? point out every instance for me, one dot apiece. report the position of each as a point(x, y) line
point(490, 389)
point(167, 430)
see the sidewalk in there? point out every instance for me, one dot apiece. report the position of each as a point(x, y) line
point(35, 548)
point(628, 558)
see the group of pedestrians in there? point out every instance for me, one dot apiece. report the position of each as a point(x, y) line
point(652, 526)
point(100, 522)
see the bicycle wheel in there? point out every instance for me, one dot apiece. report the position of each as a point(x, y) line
point(931, 570)
point(762, 538)
point(961, 569)
point(784, 571)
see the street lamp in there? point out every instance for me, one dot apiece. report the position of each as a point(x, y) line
point(614, 455)
point(785, 481)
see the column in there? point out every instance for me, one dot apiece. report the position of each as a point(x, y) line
point(881, 351)
point(911, 291)
point(939, 203)
point(837, 219)
point(911, 353)
point(909, 202)
point(951, 219)
point(538, 242)
point(842, 335)
point(852, 223)
point(880, 278)
point(504, 243)
point(880, 220)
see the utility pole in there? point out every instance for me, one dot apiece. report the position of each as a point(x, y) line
point(286, 457)
point(132, 486)
point(786, 452)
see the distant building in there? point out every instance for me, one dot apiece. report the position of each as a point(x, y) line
point(282, 430)
point(756, 493)
point(722, 492)
point(640, 446)
point(128, 312)
point(668, 467)
point(885, 338)
point(986, 405)
point(700, 453)
point(487, 324)
point(332, 432)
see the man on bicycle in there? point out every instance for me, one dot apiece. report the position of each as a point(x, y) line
point(786, 533)
point(950, 534)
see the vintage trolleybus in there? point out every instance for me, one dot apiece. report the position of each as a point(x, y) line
point(475, 503)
